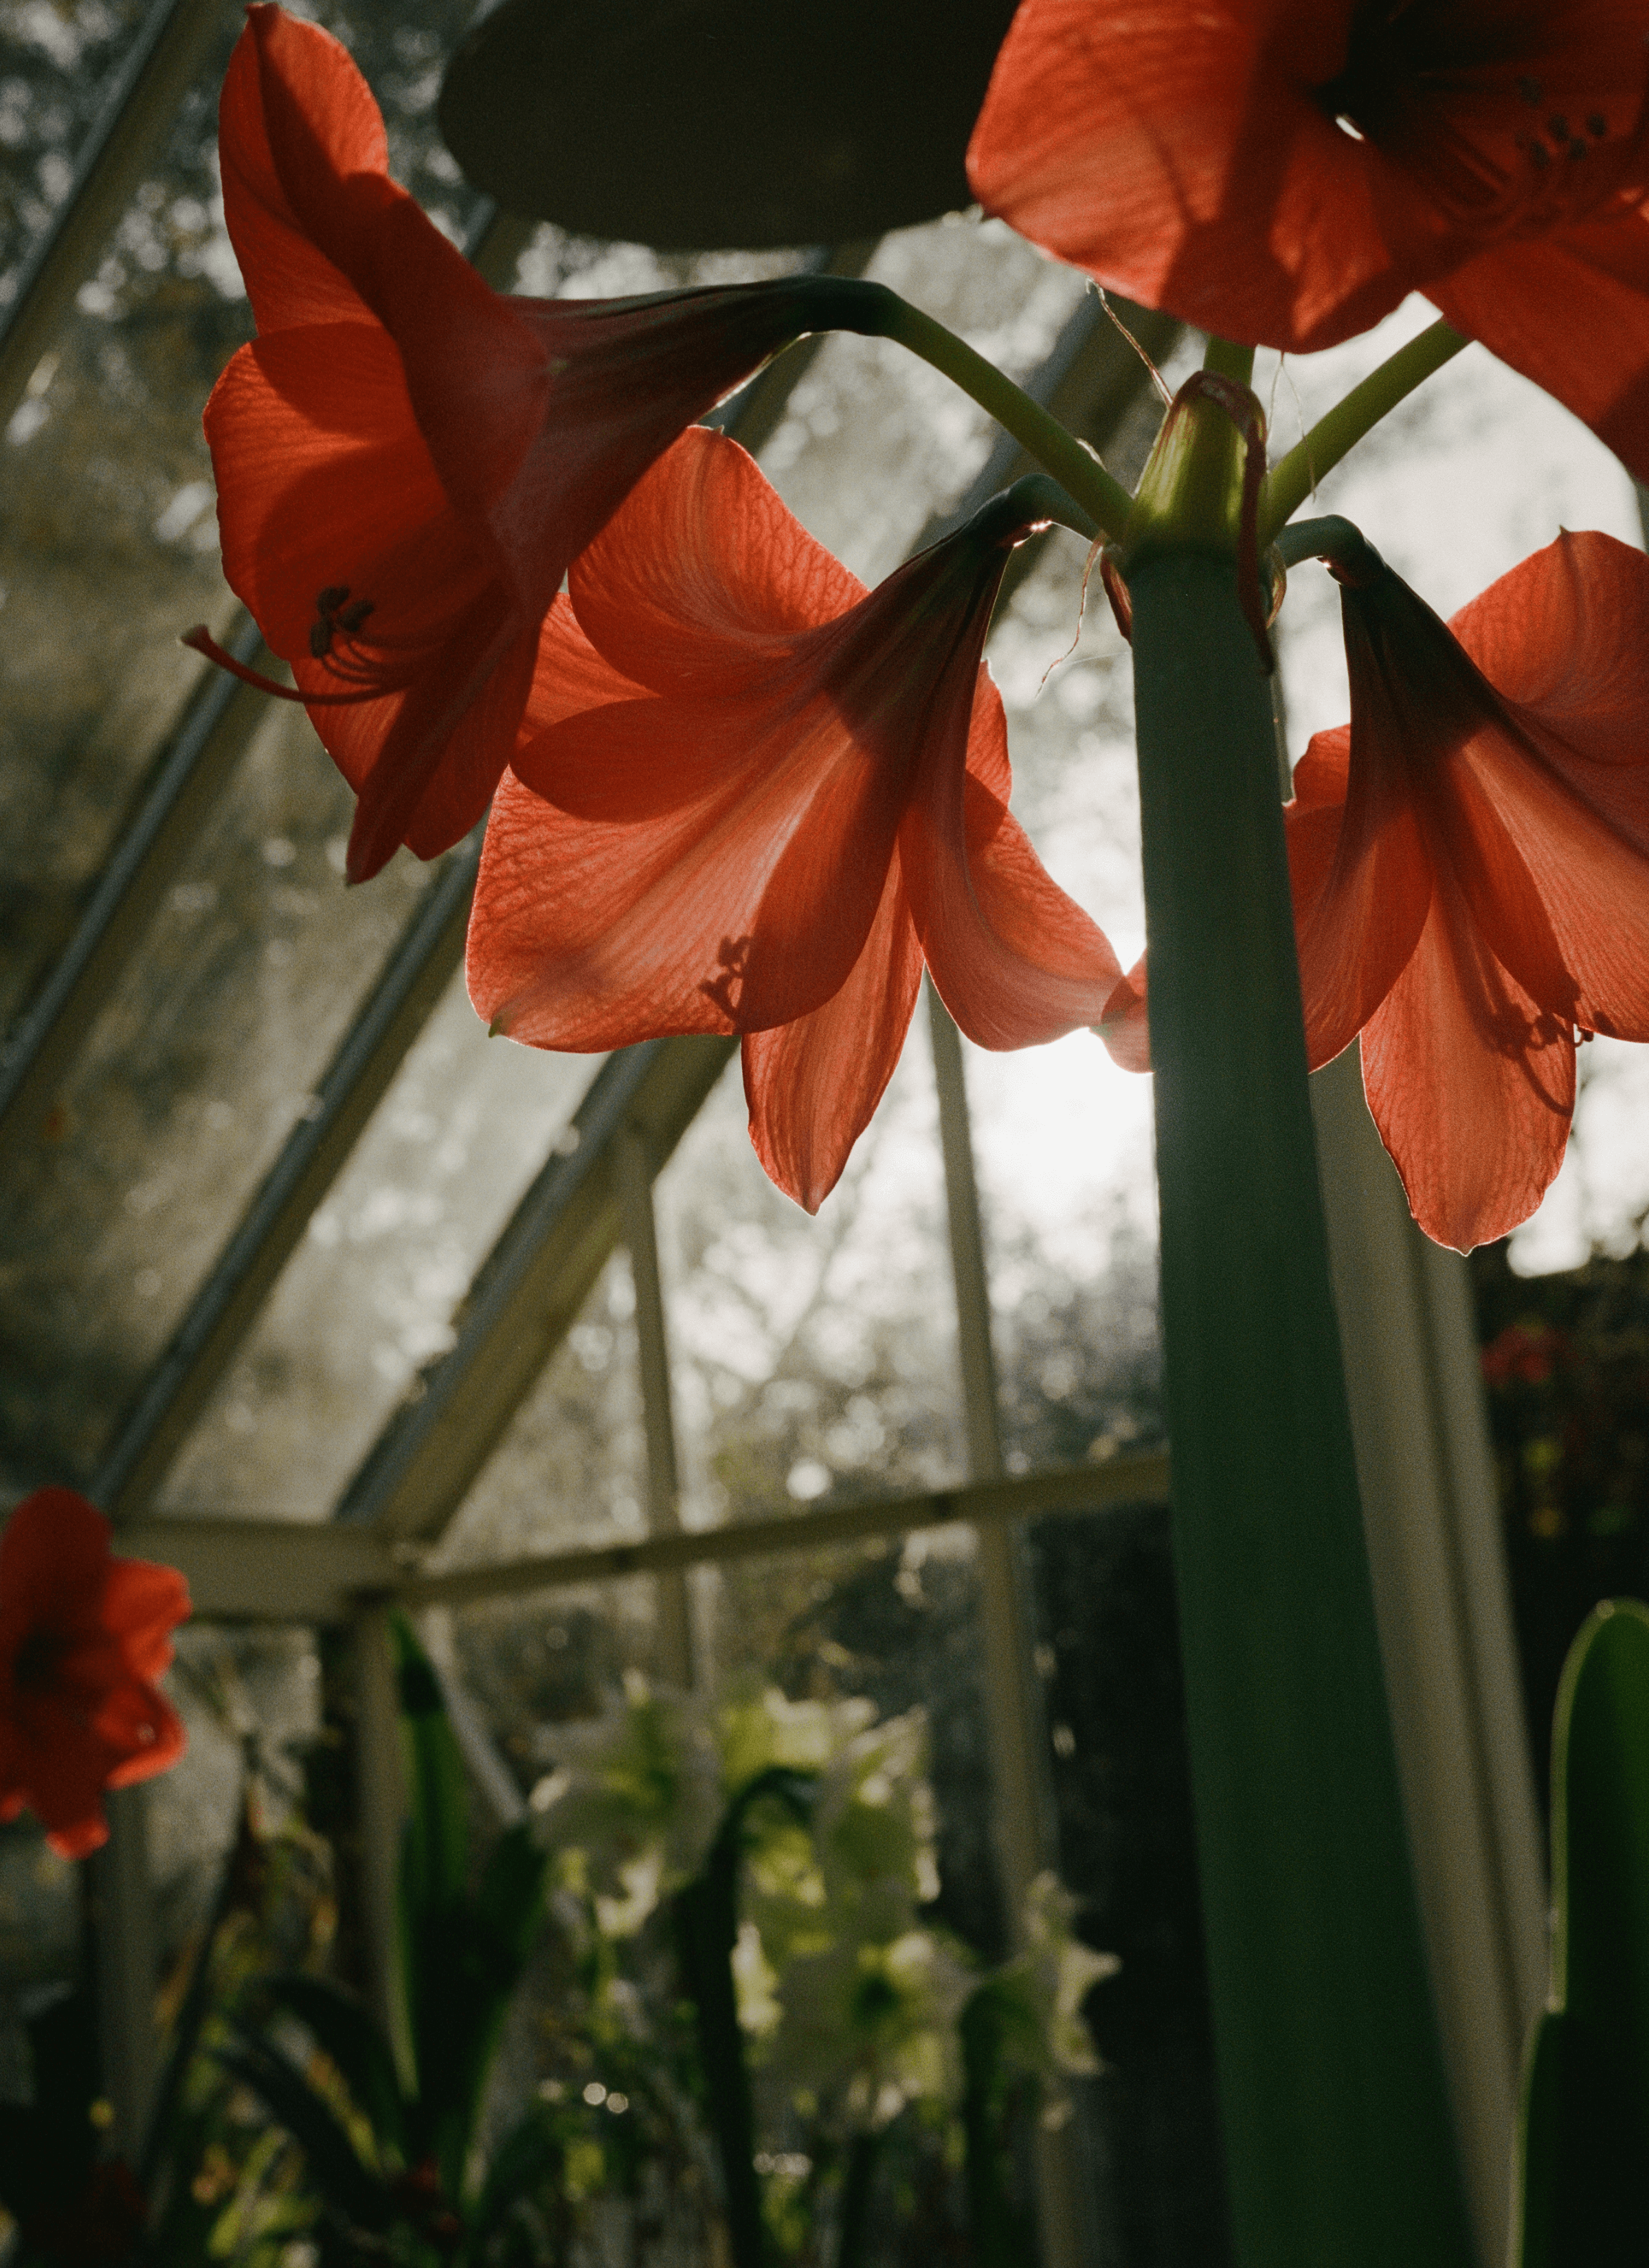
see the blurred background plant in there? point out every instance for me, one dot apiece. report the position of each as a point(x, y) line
point(748, 2031)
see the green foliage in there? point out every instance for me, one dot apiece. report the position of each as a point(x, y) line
point(1585, 2139)
point(400, 2170)
point(996, 2056)
point(707, 1930)
point(48, 2171)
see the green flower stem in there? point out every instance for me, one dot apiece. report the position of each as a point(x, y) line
point(1338, 2138)
point(856, 2184)
point(1339, 541)
point(875, 312)
point(1035, 497)
point(706, 1917)
point(1292, 479)
point(1230, 360)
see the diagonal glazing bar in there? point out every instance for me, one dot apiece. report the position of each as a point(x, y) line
point(36, 1057)
point(138, 113)
point(227, 1303)
point(529, 1291)
point(218, 723)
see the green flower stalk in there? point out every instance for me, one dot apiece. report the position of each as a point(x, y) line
point(1339, 2141)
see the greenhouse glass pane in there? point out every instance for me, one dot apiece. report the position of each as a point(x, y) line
point(108, 548)
point(205, 1058)
point(570, 1467)
point(367, 1299)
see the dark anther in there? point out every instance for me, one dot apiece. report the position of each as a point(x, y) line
point(1529, 89)
point(1578, 149)
point(1597, 126)
point(1540, 156)
point(331, 618)
point(1557, 127)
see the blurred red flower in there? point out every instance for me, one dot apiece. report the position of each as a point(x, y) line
point(1470, 867)
point(407, 462)
point(102, 2224)
point(755, 800)
point(82, 1638)
point(1524, 1354)
point(1284, 172)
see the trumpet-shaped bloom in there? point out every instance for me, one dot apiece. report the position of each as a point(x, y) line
point(82, 1638)
point(407, 462)
point(1285, 171)
point(752, 798)
point(1470, 867)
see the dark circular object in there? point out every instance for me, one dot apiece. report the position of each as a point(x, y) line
point(695, 125)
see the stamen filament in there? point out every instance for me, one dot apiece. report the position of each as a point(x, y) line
point(200, 639)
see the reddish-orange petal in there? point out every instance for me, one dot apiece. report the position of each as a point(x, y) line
point(1125, 1025)
point(1322, 773)
point(140, 1725)
point(1562, 639)
point(704, 866)
point(1470, 1082)
point(324, 480)
point(143, 1603)
point(1548, 843)
point(478, 378)
point(1571, 310)
point(1361, 881)
point(813, 1085)
point(289, 280)
point(1181, 156)
point(452, 734)
point(746, 578)
point(1015, 961)
point(63, 1769)
point(54, 1562)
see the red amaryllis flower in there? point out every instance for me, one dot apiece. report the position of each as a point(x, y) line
point(755, 798)
point(406, 461)
point(82, 1638)
point(1470, 867)
point(1284, 172)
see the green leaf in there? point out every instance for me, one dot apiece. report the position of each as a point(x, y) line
point(528, 2160)
point(510, 1906)
point(997, 2232)
point(478, 1952)
point(1584, 2139)
point(345, 2031)
point(335, 2167)
point(437, 1790)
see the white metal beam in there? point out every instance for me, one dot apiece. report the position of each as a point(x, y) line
point(283, 1571)
point(1431, 1511)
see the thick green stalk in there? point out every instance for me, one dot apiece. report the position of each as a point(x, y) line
point(1225, 357)
point(1293, 478)
point(1339, 2146)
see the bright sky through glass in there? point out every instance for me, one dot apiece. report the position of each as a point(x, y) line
point(1476, 471)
